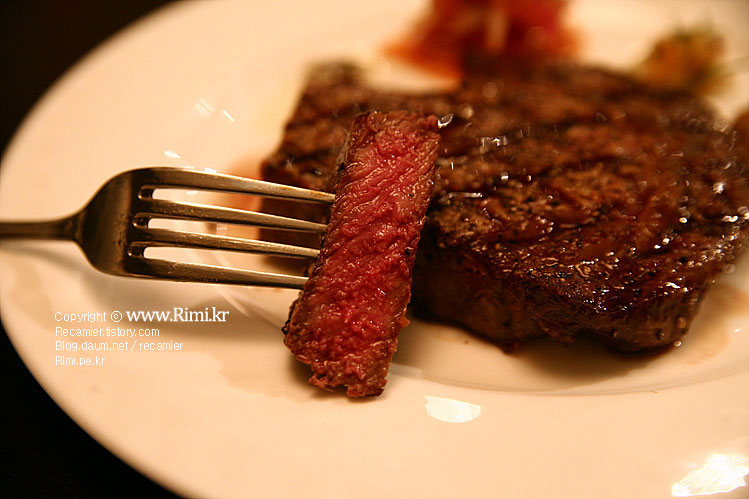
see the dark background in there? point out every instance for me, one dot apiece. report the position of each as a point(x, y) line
point(44, 453)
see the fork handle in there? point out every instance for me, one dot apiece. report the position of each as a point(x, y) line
point(63, 228)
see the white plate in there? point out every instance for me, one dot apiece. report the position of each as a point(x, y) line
point(210, 84)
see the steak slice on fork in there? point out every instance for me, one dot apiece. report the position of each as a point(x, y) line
point(345, 324)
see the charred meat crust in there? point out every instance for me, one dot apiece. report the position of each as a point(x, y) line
point(569, 199)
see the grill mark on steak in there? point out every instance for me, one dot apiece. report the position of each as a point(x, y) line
point(606, 207)
point(345, 324)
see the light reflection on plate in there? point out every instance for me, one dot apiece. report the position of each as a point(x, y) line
point(450, 410)
point(720, 473)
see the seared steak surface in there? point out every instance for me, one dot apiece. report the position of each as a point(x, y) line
point(345, 324)
point(569, 200)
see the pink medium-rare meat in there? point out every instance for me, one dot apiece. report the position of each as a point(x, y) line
point(345, 324)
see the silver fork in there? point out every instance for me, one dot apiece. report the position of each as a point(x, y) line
point(113, 228)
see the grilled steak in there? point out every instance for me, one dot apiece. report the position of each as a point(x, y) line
point(345, 324)
point(569, 200)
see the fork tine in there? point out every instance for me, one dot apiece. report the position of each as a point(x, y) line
point(166, 178)
point(193, 272)
point(148, 237)
point(162, 208)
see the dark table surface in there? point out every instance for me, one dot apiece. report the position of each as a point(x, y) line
point(44, 453)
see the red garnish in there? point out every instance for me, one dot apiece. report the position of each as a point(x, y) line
point(455, 28)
